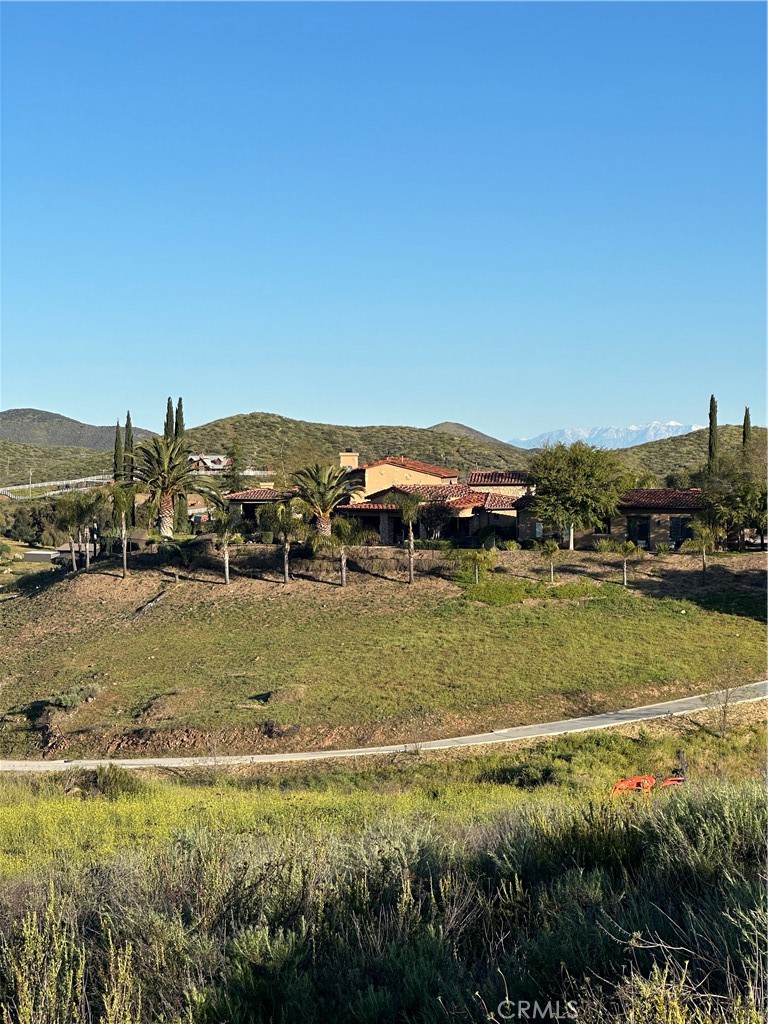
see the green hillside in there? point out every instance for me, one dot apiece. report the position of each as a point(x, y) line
point(37, 427)
point(48, 462)
point(687, 451)
point(271, 440)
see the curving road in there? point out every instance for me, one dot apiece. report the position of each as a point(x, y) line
point(683, 706)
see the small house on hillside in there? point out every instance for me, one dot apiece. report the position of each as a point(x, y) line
point(251, 500)
point(209, 464)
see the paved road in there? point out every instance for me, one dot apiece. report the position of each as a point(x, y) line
point(684, 706)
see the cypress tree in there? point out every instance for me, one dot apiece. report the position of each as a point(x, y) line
point(713, 454)
point(128, 449)
point(746, 430)
point(118, 459)
point(179, 426)
point(168, 429)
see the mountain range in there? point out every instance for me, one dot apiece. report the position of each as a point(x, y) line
point(41, 442)
point(609, 437)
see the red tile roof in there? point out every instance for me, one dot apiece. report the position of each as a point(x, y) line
point(260, 494)
point(499, 502)
point(497, 477)
point(366, 506)
point(415, 466)
point(663, 498)
point(432, 492)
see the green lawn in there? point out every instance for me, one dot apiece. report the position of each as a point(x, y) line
point(335, 668)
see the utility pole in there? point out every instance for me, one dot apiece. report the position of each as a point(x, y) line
point(30, 483)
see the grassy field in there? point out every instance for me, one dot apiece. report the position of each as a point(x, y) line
point(258, 666)
point(399, 892)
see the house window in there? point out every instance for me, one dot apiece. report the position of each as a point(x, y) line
point(538, 531)
point(604, 527)
point(680, 529)
point(639, 530)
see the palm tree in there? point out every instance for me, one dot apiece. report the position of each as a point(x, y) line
point(550, 552)
point(345, 534)
point(322, 488)
point(164, 469)
point(227, 522)
point(285, 519)
point(74, 514)
point(408, 506)
point(702, 542)
point(123, 498)
point(66, 518)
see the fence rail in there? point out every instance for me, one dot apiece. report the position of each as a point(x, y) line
point(45, 488)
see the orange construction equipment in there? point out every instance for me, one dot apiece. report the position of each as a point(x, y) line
point(637, 784)
point(645, 783)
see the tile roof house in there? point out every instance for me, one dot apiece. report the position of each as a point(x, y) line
point(209, 463)
point(645, 516)
point(382, 474)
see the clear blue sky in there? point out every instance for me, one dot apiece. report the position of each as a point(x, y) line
point(520, 216)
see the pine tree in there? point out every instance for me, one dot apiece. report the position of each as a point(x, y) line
point(713, 452)
point(746, 430)
point(128, 449)
point(168, 429)
point(179, 425)
point(118, 459)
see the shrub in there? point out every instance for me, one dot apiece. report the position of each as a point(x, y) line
point(604, 546)
point(508, 545)
point(662, 550)
point(433, 545)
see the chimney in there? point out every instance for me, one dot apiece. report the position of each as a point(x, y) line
point(349, 459)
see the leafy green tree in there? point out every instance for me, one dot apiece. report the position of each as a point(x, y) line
point(169, 429)
point(409, 506)
point(285, 519)
point(118, 459)
point(233, 479)
point(577, 486)
point(128, 449)
point(549, 551)
point(178, 425)
point(164, 469)
point(735, 495)
point(435, 515)
point(322, 488)
point(227, 524)
point(713, 437)
point(746, 429)
point(345, 534)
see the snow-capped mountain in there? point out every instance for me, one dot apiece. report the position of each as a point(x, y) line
point(608, 437)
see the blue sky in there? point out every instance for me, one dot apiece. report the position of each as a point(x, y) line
point(519, 216)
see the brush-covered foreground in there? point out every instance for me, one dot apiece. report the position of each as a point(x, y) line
point(414, 892)
point(258, 666)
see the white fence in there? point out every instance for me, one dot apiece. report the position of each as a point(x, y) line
point(82, 483)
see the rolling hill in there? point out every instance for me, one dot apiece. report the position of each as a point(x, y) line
point(277, 441)
point(49, 462)
point(286, 444)
point(37, 427)
point(687, 451)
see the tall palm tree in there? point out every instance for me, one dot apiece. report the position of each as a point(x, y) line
point(286, 520)
point(345, 534)
point(322, 488)
point(164, 469)
point(66, 518)
point(408, 506)
point(74, 514)
point(227, 522)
